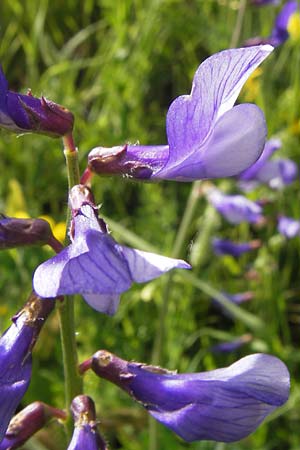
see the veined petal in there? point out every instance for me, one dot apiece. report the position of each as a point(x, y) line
point(145, 266)
point(107, 304)
point(271, 146)
point(221, 405)
point(235, 143)
point(216, 86)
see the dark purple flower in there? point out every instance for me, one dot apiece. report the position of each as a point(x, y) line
point(95, 265)
point(15, 355)
point(27, 422)
point(235, 208)
point(231, 346)
point(24, 113)
point(20, 232)
point(227, 247)
point(281, 30)
point(288, 227)
point(86, 435)
point(220, 405)
point(208, 137)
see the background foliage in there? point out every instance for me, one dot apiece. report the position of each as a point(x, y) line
point(117, 65)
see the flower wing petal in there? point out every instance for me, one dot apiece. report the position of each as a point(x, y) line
point(145, 266)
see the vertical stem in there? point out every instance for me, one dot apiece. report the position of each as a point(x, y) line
point(238, 25)
point(73, 381)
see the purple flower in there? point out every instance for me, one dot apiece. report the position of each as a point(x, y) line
point(85, 434)
point(276, 173)
point(264, 2)
point(280, 32)
point(15, 355)
point(208, 137)
point(227, 247)
point(27, 422)
point(221, 405)
point(20, 232)
point(95, 265)
point(235, 208)
point(230, 346)
point(24, 113)
point(288, 227)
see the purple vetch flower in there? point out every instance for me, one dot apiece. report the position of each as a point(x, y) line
point(27, 422)
point(16, 232)
point(282, 26)
point(288, 227)
point(264, 2)
point(208, 137)
point(227, 247)
point(15, 355)
point(95, 265)
point(276, 172)
point(86, 435)
point(24, 113)
point(221, 405)
point(230, 346)
point(235, 208)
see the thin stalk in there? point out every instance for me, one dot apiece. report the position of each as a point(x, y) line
point(238, 24)
point(73, 381)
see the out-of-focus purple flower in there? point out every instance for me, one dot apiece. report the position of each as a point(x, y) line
point(15, 355)
point(227, 247)
point(264, 2)
point(86, 435)
point(20, 232)
point(238, 299)
point(230, 346)
point(288, 227)
point(270, 147)
point(280, 32)
point(221, 405)
point(24, 113)
point(27, 422)
point(95, 265)
point(207, 136)
point(235, 208)
point(276, 173)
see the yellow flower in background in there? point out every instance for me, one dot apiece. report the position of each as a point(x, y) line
point(293, 26)
point(251, 88)
point(58, 229)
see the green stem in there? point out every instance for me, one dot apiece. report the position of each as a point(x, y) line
point(73, 381)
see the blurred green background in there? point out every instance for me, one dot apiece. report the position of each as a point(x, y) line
point(117, 65)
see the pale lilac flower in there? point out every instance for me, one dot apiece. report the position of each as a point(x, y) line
point(220, 405)
point(24, 113)
point(275, 172)
point(264, 2)
point(231, 346)
point(95, 265)
point(227, 247)
point(27, 422)
point(15, 355)
point(208, 137)
point(280, 32)
point(85, 435)
point(288, 227)
point(235, 208)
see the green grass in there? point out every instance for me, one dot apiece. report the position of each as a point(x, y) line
point(117, 65)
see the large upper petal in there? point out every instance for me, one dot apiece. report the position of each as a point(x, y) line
point(215, 88)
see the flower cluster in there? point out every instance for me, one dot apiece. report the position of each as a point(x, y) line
point(208, 137)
